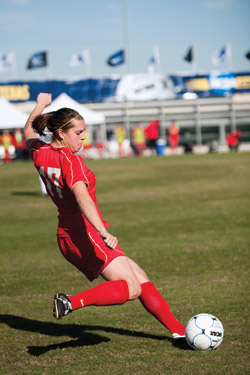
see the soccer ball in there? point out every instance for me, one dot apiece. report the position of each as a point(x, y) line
point(204, 332)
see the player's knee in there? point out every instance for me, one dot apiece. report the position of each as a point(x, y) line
point(134, 291)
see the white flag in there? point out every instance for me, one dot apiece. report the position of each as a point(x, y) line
point(221, 55)
point(154, 61)
point(7, 61)
point(81, 58)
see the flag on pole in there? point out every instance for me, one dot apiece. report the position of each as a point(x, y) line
point(189, 55)
point(248, 55)
point(7, 61)
point(154, 61)
point(38, 60)
point(117, 58)
point(219, 56)
point(81, 58)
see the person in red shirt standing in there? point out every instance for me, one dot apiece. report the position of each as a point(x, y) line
point(173, 136)
point(233, 140)
point(152, 134)
point(82, 232)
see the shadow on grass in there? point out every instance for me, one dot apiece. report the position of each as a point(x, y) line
point(26, 193)
point(81, 334)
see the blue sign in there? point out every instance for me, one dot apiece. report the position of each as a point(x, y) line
point(213, 84)
point(83, 91)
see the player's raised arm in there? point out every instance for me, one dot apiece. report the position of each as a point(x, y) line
point(43, 101)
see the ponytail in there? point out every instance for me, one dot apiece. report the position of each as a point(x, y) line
point(40, 122)
point(55, 120)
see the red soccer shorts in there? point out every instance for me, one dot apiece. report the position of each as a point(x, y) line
point(87, 252)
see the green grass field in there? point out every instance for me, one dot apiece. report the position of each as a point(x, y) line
point(184, 219)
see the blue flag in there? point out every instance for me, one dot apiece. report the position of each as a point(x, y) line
point(117, 58)
point(38, 60)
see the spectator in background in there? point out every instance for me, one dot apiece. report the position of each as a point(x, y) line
point(132, 143)
point(18, 143)
point(139, 139)
point(6, 141)
point(233, 140)
point(152, 134)
point(120, 135)
point(100, 140)
point(86, 143)
point(173, 136)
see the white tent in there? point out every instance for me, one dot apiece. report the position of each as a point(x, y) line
point(10, 116)
point(90, 117)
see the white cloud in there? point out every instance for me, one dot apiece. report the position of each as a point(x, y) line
point(219, 4)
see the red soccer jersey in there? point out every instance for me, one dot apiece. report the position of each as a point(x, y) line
point(151, 130)
point(60, 170)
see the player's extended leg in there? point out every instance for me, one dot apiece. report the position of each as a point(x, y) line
point(108, 293)
point(122, 285)
point(124, 268)
point(154, 303)
point(126, 280)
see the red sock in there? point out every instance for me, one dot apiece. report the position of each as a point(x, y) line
point(108, 293)
point(154, 303)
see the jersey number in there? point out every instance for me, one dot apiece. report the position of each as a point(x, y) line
point(52, 176)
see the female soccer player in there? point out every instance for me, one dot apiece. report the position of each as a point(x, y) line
point(82, 233)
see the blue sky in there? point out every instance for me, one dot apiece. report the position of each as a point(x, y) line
point(64, 27)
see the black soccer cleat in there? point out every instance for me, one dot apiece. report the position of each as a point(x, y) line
point(61, 305)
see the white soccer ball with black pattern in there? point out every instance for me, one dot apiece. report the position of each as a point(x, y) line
point(204, 332)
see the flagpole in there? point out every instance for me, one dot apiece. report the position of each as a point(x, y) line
point(158, 58)
point(230, 57)
point(126, 34)
point(14, 68)
point(49, 72)
point(88, 71)
point(194, 60)
point(88, 64)
point(49, 68)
